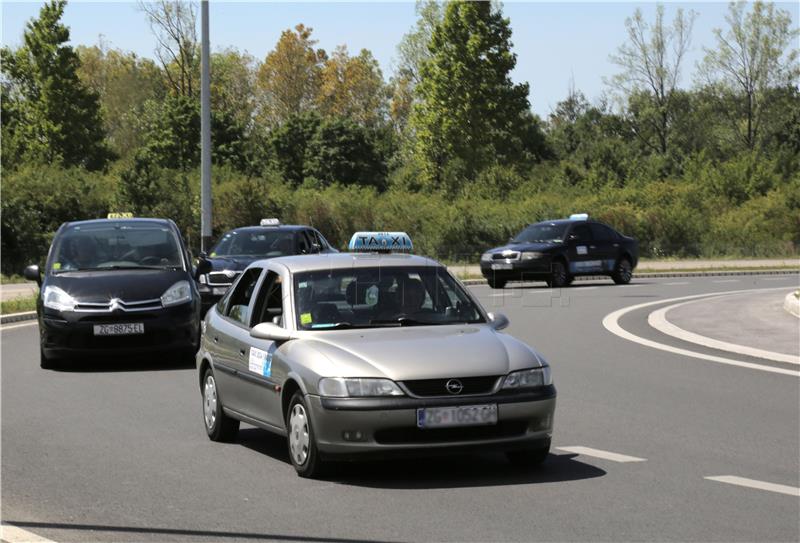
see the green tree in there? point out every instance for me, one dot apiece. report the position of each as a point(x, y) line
point(51, 116)
point(470, 114)
point(651, 67)
point(353, 87)
point(757, 53)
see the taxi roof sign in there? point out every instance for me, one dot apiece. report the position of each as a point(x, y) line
point(270, 222)
point(380, 242)
point(120, 215)
point(579, 216)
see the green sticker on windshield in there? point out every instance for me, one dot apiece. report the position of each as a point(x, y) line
point(305, 318)
point(56, 265)
point(213, 254)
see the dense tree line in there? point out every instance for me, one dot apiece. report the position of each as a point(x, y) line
point(447, 149)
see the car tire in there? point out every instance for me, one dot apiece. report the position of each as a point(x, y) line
point(623, 271)
point(558, 275)
point(45, 362)
point(300, 436)
point(497, 283)
point(528, 458)
point(219, 426)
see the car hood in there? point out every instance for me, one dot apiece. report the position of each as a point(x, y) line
point(524, 247)
point(127, 285)
point(422, 352)
point(236, 263)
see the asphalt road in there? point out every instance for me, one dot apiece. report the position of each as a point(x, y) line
point(117, 451)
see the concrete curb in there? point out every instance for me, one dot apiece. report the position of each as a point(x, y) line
point(669, 274)
point(16, 317)
point(792, 304)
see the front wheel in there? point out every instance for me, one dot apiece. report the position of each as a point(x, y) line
point(558, 275)
point(528, 458)
point(623, 272)
point(497, 283)
point(302, 441)
point(219, 426)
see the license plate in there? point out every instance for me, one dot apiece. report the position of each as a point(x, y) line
point(462, 415)
point(502, 266)
point(125, 329)
point(220, 291)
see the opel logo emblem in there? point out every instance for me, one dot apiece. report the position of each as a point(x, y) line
point(454, 386)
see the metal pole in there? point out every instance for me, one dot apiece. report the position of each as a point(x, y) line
point(205, 132)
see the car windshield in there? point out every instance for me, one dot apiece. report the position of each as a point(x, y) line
point(543, 231)
point(381, 297)
point(263, 243)
point(116, 245)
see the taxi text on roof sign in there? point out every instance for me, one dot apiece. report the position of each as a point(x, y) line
point(120, 215)
point(381, 242)
point(579, 216)
point(270, 222)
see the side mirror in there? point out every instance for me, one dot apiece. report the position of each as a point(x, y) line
point(572, 237)
point(32, 273)
point(498, 321)
point(202, 268)
point(270, 331)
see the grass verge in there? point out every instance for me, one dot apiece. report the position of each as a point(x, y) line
point(18, 305)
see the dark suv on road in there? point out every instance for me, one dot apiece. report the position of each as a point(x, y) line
point(241, 247)
point(557, 251)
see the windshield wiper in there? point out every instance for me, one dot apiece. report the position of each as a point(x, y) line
point(402, 321)
point(332, 326)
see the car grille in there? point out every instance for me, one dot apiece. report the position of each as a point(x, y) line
point(506, 255)
point(438, 387)
point(413, 435)
point(117, 304)
point(222, 279)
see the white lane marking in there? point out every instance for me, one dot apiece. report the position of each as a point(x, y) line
point(14, 534)
point(752, 483)
point(581, 289)
point(11, 326)
point(726, 281)
point(611, 323)
point(658, 320)
point(631, 286)
point(678, 283)
point(777, 278)
point(605, 455)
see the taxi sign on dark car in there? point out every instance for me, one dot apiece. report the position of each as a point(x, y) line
point(120, 215)
point(380, 242)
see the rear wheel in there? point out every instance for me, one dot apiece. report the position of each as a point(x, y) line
point(558, 275)
point(623, 272)
point(219, 426)
point(497, 283)
point(302, 441)
point(529, 457)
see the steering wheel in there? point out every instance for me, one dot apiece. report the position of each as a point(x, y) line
point(150, 260)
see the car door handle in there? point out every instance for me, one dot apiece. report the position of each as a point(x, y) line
point(616, 245)
point(216, 340)
point(592, 247)
point(241, 352)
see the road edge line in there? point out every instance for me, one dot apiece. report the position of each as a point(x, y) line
point(754, 483)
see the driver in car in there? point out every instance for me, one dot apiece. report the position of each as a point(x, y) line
point(411, 298)
point(82, 253)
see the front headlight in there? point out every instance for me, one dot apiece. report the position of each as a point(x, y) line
point(340, 387)
point(536, 377)
point(486, 257)
point(531, 255)
point(56, 298)
point(179, 293)
point(203, 279)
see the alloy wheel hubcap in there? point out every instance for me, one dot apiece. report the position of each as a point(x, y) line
point(298, 434)
point(625, 270)
point(210, 402)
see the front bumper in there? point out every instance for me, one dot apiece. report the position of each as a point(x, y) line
point(389, 425)
point(516, 270)
point(210, 295)
point(72, 333)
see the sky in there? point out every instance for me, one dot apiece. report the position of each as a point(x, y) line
point(555, 43)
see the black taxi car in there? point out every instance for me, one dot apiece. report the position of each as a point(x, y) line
point(558, 251)
point(240, 247)
point(117, 286)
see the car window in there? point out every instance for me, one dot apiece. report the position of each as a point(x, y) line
point(381, 296)
point(303, 245)
point(116, 245)
point(542, 232)
point(263, 242)
point(316, 243)
point(238, 306)
point(601, 232)
point(269, 301)
point(581, 233)
point(323, 243)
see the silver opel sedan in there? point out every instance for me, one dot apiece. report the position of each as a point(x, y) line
point(352, 355)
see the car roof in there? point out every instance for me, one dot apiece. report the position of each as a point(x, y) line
point(337, 261)
point(139, 220)
point(281, 228)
